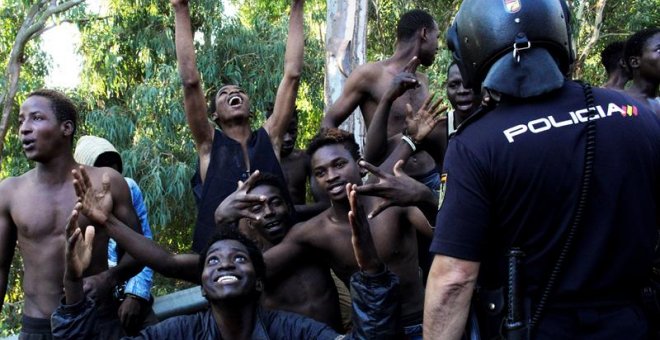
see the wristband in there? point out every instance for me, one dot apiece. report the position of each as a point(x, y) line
point(410, 142)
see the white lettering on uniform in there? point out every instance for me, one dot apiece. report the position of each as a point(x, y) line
point(546, 125)
point(514, 131)
point(559, 124)
point(614, 108)
point(579, 116)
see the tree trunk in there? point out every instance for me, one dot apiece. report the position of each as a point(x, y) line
point(33, 25)
point(346, 33)
point(593, 39)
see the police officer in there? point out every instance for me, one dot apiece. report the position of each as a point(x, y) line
point(559, 180)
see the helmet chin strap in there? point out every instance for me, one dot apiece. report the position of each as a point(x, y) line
point(528, 73)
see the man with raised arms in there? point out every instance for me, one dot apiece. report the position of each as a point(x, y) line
point(34, 208)
point(417, 38)
point(234, 151)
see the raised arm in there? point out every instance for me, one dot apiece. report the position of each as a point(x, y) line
point(7, 240)
point(150, 253)
point(194, 102)
point(376, 147)
point(285, 100)
point(145, 250)
point(122, 208)
point(354, 92)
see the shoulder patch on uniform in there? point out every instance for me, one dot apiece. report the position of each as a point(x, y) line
point(442, 190)
point(512, 6)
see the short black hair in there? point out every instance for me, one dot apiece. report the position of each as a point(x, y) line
point(108, 159)
point(230, 232)
point(453, 62)
point(412, 21)
point(332, 136)
point(62, 106)
point(636, 42)
point(611, 55)
point(267, 178)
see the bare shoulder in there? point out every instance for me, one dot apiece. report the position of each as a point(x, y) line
point(371, 70)
point(96, 175)
point(310, 231)
point(10, 185)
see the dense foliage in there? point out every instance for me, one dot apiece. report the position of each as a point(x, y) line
point(130, 91)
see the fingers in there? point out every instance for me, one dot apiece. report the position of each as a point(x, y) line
point(352, 197)
point(105, 184)
point(251, 199)
point(409, 111)
point(87, 183)
point(371, 168)
point(379, 208)
point(427, 101)
point(90, 232)
point(251, 180)
point(412, 65)
point(73, 239)
point(72, 225)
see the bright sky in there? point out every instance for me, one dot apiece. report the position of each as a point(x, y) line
point(61, 43)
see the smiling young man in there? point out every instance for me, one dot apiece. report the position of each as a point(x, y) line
point(232, 275)
point(34, 208)
point(234, 151)
point(327, 236)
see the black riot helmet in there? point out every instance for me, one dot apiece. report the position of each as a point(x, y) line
point(484, 31)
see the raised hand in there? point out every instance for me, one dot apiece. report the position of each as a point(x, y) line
point(363, 244)
point(404, 81)
point(95, 204)
point(395, 190)
point(421, 123)
point(78, 248)
point(238, 204)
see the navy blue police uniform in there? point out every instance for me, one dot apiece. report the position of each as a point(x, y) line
point(512, 178)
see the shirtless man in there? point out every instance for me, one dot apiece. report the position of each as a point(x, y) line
point(642, 54)
point(35, 206)
point(297, 172)
point(417, 36)
point(306, 289)
point(234, 151)
point(327, 236)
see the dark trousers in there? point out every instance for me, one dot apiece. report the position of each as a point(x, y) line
point(35, 329)
point(621, 322)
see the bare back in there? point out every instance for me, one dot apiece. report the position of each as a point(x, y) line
point(39, 213)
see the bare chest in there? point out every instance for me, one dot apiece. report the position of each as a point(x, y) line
point(39, 214)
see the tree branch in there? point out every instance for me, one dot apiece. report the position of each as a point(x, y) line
point(29, 29)
point(598, 21)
